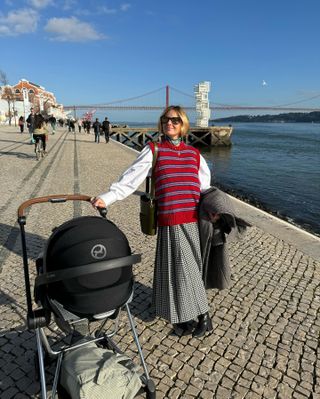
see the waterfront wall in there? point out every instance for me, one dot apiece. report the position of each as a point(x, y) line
point(137, 137)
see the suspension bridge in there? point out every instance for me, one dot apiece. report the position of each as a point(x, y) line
point(124, 104)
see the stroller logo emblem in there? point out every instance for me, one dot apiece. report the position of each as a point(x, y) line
point(98, 251)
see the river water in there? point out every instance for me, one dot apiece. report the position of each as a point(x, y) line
point(275, 166)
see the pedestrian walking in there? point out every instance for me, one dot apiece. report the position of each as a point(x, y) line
point(96, 128)
point(181, 173)
point(21, 124)
point(53, 122)
point(88, 126)
point(106, 129)
point(72, 125)
point(79, 123)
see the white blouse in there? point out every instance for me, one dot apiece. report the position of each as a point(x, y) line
point(131, 179)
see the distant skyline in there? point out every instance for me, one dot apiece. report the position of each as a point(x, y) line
point(92, 52)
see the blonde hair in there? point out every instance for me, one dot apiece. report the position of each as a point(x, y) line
point(181, 113)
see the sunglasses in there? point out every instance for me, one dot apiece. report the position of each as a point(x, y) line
point(175, 120)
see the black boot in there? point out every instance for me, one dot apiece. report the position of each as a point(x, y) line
point(204, 325)
point(182, 328)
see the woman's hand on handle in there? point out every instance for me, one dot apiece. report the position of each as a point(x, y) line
point(100, 206)
point(97, 203)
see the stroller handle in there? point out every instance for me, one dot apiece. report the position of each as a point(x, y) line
point(51, 198)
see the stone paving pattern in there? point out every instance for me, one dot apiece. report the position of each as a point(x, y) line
point(265, 341)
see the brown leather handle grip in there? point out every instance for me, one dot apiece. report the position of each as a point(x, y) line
point(52, 198)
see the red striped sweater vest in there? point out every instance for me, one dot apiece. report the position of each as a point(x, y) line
point(177, 183)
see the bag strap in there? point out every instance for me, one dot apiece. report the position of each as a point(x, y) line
point(154, 161)
point(150, 181)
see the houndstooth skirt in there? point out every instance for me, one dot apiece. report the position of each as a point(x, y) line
point(178, 290)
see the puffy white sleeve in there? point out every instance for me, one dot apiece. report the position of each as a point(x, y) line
point(131, 179)
point(204, 175)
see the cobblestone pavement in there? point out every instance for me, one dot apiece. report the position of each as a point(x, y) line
point(265, 341)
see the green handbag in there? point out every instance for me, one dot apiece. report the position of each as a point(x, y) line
point(148, 206)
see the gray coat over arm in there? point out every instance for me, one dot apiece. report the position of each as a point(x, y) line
point(216, 264)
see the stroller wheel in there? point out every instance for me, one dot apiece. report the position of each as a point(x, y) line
point(150, 390)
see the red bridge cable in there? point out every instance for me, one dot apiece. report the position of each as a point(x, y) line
point(131, 98)
point(181, 92)
point(225, 106)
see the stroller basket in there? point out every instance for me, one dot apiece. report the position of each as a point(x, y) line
point(85, 274)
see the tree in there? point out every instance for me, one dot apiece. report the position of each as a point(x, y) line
point(7, 93)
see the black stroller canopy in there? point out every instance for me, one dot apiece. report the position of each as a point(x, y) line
point(88, 242)
point(84, 240)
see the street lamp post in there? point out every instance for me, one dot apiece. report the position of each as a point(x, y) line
point(25, 99)
point(41, 102)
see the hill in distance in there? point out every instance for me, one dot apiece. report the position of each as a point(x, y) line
point(291, 117)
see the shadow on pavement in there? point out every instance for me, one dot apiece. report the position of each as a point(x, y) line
point(11, 235)
point(18, 154)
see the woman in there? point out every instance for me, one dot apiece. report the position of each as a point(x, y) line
point(181, 173)
point(40, 132)
point(21, 124)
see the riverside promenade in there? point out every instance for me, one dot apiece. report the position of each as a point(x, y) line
point(265, 341)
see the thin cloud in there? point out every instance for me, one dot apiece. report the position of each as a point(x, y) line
point(40, 3)
point(72, 30)
point(83, 12)
point(125, 7)
point(107, 10)
point(18, 22)
point(69, 4)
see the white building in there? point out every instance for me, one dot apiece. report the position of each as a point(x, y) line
point(201, 92)
point(27, 94)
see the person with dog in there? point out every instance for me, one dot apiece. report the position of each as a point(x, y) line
point(181, 174)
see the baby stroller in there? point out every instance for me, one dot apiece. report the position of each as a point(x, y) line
point(84, 277)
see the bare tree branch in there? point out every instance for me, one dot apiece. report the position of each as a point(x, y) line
point(3, 78)
point(7, 93)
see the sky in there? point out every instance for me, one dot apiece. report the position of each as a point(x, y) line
point(95, 52)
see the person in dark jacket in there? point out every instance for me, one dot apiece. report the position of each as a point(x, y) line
point(87, 126)
point(21, 124)
point(96, 128)
point(72, 127)
point(53, 122)
point(106, 129)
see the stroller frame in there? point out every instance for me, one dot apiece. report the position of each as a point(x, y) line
point(39, 318)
